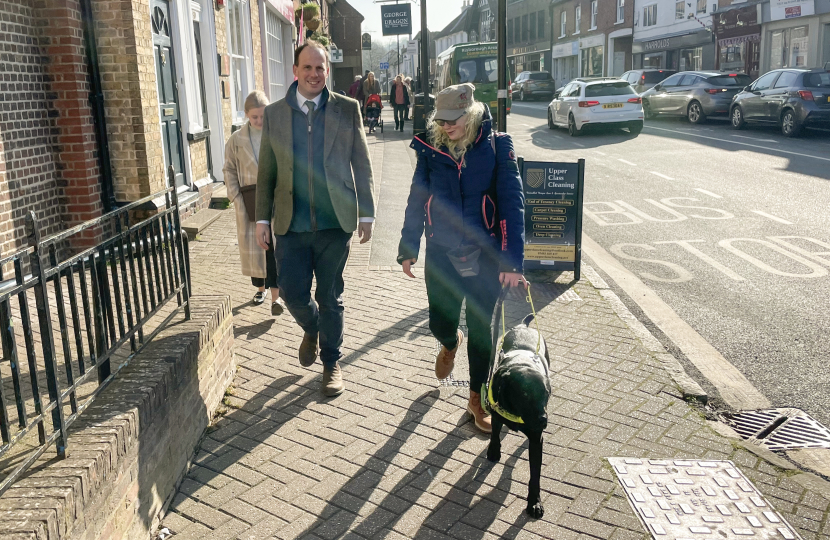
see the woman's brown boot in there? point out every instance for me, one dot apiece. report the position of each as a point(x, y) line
point(445, 359)
point(481, 418)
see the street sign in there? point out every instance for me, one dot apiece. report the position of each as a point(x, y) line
point(397, 19)
point(384, 65)
point(336, 55)
point(412, 47)
point(367, 42)
point(553, 215)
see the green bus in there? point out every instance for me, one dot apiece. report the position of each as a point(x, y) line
point(475, 63)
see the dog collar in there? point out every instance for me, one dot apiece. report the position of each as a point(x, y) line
point(504, 414)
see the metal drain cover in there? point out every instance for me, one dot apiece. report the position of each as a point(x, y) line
point(687, 499)
point(780, 429)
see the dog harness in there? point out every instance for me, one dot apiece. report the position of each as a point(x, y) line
point(487, 402)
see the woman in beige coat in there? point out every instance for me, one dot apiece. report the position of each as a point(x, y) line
point(241, 162)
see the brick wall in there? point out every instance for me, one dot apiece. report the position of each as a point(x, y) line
point(222, 49)
point(125, 48)
point(257, 45)
point(30, 176)
point(198, 158)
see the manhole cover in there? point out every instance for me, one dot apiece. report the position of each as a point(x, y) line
point(688, 499)
point(780, 429)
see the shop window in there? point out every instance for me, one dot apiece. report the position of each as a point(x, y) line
point(594, 15)
point(532, 27)
point(592, 62)
point(680, 10)
point(620, 11)
point(239, 39)
point(540, 23)
point(577, 19)
point(650, 15)
point(691, 59)
point(563, 23)
point(701, 6)
point(789, 48)
point(733, 56)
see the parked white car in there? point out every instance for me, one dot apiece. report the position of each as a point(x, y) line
point(596, 102)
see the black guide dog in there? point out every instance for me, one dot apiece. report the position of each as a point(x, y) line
point(517, 396)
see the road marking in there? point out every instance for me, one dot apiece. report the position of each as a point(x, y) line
point(708, 193)
point(686, 244)
point(754, 139)
point(600, 153)
point(734, 388)
point(770, 216)
point(661, 175)
point(578, 144)
point(743, 144)
point(627, 162)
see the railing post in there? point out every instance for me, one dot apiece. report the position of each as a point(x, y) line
point(44, 316)
point(98, 269)
point(184, 263)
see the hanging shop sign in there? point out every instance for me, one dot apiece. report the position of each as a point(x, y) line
point(397, 19)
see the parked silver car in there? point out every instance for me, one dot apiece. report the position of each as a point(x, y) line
point(643, 79)
point(694, 94)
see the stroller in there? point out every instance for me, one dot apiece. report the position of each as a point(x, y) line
point(373, 107)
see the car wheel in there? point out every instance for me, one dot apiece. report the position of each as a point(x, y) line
point(573, 131)
point(635, 129)
point(550, 121)
point(789, 124)
point(647, 111)
point(737, 117)
point(695, 113)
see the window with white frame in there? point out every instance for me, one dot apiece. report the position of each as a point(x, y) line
point(239, 40)
point(594, 15)
point(577, 18)
point(485, 24)
point(680, 10)
point(701, 6)
point(201, 106)
point(275, 51)
point(620, 11)
point(650, 15)
point(563, 23)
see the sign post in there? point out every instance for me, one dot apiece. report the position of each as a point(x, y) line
point(553, 214)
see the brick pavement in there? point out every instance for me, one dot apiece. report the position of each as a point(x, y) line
point(395, 456)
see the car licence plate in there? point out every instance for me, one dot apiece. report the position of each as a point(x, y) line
point(612, 106)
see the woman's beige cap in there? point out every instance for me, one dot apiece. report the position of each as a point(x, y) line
point(452, 102)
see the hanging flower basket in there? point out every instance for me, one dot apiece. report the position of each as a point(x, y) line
point(310, 11)
point(322, 39)
point(298, 13)
point(312, 24)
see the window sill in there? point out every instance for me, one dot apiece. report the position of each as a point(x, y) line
point(199, 135)
point(592, 28)
point(620, 22)
point(575, 34)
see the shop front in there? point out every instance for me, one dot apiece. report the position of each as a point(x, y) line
point(795, 36)
point(687, 52)
point(591, 54)
point(531, 58)
point(738, 39)
point(565, 60)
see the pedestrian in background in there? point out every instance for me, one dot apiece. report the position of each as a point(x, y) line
point(353, 89)
point(408, 82)
point(399, 99)
point(315, 189)
point(468, 255)
point(241, 162)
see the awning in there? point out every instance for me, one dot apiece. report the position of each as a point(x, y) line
point(737, 40)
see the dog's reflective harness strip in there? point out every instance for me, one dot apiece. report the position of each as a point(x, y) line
point(487, 402)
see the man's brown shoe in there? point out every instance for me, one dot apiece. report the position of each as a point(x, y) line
point(308, 350)
point(481, 418)
point(332, 384)
point(445, 360)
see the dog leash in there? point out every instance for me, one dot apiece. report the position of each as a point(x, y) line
point(487, 402)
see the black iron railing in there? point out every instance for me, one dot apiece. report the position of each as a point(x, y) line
point(93, 312)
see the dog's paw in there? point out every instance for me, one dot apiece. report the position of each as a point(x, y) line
point(535, 511)
point(493, 454)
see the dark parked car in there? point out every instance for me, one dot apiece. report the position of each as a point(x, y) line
point(694, 94)
point(643, 79)
point(533, 84)
point(789, 98)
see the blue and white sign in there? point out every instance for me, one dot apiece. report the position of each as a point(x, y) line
point(384, 65)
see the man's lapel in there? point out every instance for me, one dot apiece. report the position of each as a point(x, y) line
point(332, 124)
